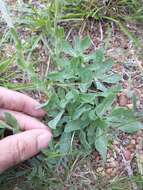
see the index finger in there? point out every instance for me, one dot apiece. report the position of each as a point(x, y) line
point(19, 102)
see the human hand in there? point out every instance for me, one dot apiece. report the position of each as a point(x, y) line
point(35, 136)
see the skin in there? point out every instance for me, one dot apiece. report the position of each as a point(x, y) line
point(34, 137)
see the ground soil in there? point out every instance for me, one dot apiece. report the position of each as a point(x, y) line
point(125, 155)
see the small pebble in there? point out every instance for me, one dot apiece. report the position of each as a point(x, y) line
point(110, 151)
point(116, 142)
point(97, 158)
point(133, 141)
point(117, 149)
point(110, 160)
point(109, 171)
point(125, 142)
point(131, 146)
point(141, 158)
point(123, 100)
point(100, 169)
point(108, 156)
point(114, 164)
point(127, 155)
point(103, 173)
point(130, 106)
point(125, 85)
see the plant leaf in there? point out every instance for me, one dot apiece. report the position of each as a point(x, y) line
point(5, 14)
point(80, 110)
point(91, 134)
point(57, 76)
point(101, 68)
point(53, 123)
point(99, 56)
point(86, 98)
point(3, 125)
point(85, 43)
point(111, 79)
point(83, 140)
point(101, 143)
point(131, 127)
point(125, 120)
point(77, 46)
point(65, 143)
point(86, 75)
point(100, 86)
point(11, 121)
point(84, 86)
point(75, 125)
point(67, 48)
point(105, 105)
point(123, 113)
point(4, 64)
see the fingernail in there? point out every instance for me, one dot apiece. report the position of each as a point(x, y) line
point(38, 106)
point(43, 140)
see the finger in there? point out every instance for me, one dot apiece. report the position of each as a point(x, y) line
point(25, 122)
point(19, 102)
point(20, 147)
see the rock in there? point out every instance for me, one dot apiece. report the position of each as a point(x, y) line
point(108, 156)
point(127, 155)
point(110, 152)
point(103, 173)
point(131, 146)
point(141, 158)
point(125, 85)
point(114, 164)
point(99, 169)
point(109, 171)
point(123, 100)
point(97, 158)
point(110, 160)
point(133, 141)
point(116, 142)
point(126, 142)
point(117, 149)
point(130, 106)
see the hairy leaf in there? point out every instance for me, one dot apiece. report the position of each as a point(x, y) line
point(83, 140)
point(125, 120)
point(85, 43)
point(65, 143)
point(105, 105)
point(101, 143)
point(111, 79)
point(80, 110)
point(131, 127)
point(67, 48)
point(53, 123)
point(10, 120)
point(75, 125)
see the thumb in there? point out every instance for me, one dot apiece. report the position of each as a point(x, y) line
point(20, 147)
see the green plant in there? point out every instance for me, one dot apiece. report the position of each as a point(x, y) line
point(81, 90)
point(82, 95)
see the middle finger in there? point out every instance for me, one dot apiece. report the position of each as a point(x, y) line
point(26, 122)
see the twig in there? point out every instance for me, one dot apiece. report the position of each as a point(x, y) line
point(128, 168)
point(101, 32)
point(69, 33)
point(82, 28)
point(126, 163)
point(48, 64)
